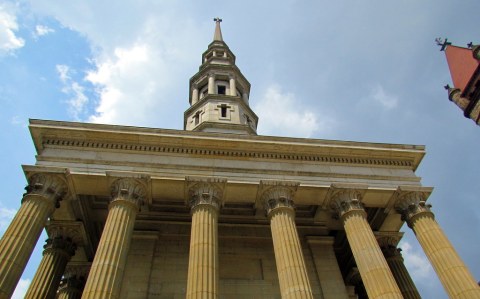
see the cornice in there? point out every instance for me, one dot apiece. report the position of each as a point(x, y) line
point(224, 153)
point(150, 140)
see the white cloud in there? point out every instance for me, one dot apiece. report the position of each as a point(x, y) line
point(379, 95)
point(6, 216)
point(281, 113)
point(78, 100)
point(21, 289)
point(41, 30)
point(124, 84)
point(418, 265)
point(8, 25)
point(142, 56)
point(19, 121)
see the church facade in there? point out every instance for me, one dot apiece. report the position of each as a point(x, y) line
point(217, 211)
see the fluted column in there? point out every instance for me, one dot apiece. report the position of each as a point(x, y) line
point(73, 282)
point(452, 272)
point(104, 280)
point(292, 272)
point(204, 198)
point(42, 197)
point(404, 281)
point(56, 254)
point(376, 275)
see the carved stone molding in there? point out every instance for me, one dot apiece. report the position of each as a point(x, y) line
point(388, 242)
point(204, 191)
point(388, 239)
point(62, 245)
point(74, 278)
point(344, 199)
point(74, 230)
point(277, 194)
point(185, 149)
point(130, 190)
point(50, 186)
point(412, 204)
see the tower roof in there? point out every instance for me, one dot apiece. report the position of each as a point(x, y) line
point(462, 65)
point(217, 36)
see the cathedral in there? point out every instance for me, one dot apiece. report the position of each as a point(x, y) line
point(217, 211)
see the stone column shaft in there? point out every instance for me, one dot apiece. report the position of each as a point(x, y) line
point(211, 84)
point(56, 255)
point(277, 198)
point(22, 234)
point(233, 87)
point(203, 260)
point(194, 95)
point(454, 275)
point(291, 268)
point(205, 195)
point(245, 97)
point(400, 273)
point(106, 273)
point(373, 268)
point(452, 272)
point(376, 275)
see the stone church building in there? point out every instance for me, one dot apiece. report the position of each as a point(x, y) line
point(217, 211)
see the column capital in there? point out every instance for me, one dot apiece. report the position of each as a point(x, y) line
point(64, 246)
point(74, 278)
point(412, 204)
point(128, 190)
point(346, 199)
point(204, 191)
point(388, 239)
point(277, 194)
point(50, 186)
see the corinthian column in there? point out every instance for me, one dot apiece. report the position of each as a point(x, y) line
point(204, 198)
point(454, 275)
point(56, 254)
point(394, 259)
point(373, 268)
point(388, 243)
point(292, 272)
point(42, 197)
point(111, 256)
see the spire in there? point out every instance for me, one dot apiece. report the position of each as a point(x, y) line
point(219, 93)
point(218, 31)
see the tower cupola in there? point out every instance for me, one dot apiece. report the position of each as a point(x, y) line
point(219, 93)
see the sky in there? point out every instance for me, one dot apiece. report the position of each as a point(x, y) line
point(343, 70)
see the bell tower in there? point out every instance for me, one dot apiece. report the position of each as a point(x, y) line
point(219, 93)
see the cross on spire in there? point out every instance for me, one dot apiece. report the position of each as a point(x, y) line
point(218, 31)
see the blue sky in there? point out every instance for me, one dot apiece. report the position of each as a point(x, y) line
point(344, 70)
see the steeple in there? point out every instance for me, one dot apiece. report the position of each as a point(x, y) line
point(219, 93)
point(218, 31)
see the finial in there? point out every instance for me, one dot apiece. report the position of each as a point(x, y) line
point(442, 43)
point(447, 87)
point(470, 45)
point(218, 31)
